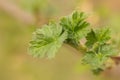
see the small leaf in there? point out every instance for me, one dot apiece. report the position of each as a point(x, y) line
point(98, 49)
point(76, 26)
point(91, 38)
point(100, 36)
point(94, 60)
point(47, 41)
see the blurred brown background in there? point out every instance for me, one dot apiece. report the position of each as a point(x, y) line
point(19, 18)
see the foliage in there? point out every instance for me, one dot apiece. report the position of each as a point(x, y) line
point(98, 49)
point(47, 41)
point(71, 30)
point(76, 26)
point(98, 36)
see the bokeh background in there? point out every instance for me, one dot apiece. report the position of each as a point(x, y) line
point(19, 18)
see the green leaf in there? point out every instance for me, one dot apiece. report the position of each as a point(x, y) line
point(76, 26)
point(99, 36)
point(94, 60)
point(47, 41)
point(98, 49)
point(108, 50)
point(91, 38)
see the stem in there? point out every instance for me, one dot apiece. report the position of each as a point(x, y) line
point(81, 48)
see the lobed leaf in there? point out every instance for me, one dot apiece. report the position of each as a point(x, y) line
point(76, 26)
point(99, 51)
point(100, 36)
point(47, 41)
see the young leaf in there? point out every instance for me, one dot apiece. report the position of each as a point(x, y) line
point(99, 51)
point(47, 41)
point(76, 26)
point(99, 36)
point(91, 38)
point(94, 60)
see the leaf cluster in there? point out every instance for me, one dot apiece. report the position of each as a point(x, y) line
point(99, 50)
point(71, 29)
